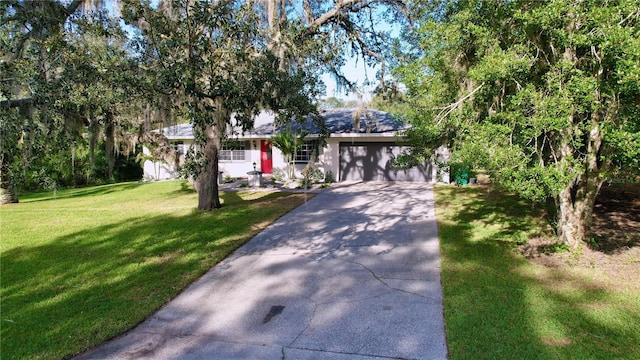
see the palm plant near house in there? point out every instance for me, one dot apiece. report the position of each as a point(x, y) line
point(289, 142)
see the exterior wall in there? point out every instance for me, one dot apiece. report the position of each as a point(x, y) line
point(240, 168)
point(159, 170)
point(279, 164)
point(156, 170)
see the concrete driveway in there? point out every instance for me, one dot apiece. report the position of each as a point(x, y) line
point(352, 274)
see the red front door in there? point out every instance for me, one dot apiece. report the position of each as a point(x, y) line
point(266, 156)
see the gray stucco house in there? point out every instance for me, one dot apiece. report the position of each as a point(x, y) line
point(361, 146)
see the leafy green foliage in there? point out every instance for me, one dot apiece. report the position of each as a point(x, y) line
point(543, 95)
point(69, 81)
point(388, 97)
point(289, 143)
point(518, 97)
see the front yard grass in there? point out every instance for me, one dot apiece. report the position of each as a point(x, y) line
point(90, 263)
point(501, 305)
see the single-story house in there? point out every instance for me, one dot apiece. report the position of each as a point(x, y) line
point(361, 146)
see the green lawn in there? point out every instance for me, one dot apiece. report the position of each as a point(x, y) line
point(83, 267)
point(499, 305)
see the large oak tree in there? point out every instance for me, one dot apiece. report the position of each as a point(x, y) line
point(544, 95)
point(66, 77)
point(225, 60)
point(209, 59)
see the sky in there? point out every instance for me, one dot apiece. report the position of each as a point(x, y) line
point(357, 71)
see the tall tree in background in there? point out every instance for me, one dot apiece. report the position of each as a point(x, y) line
point(99, 81)
point(65, 74)
point(388, 97)
point(31, 35)
point(543, 95)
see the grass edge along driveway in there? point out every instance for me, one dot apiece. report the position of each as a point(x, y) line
point(89, 264)
point(499, 305)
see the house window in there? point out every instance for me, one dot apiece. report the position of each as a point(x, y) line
point(178, 146)
point(304, 154)
point(233, 150)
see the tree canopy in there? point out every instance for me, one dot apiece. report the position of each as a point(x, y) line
point(70, 71)
point(65, 95)
point(224, 61)
point(545, 96)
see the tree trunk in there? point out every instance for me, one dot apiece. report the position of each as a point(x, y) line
point(8, 193)
point(575, 203)
point(207, 186)
point(109, 144)
point(575, 209)
point(73, 163)
point(207, 181)
point(8, 196)
point(571, 230)
point(94, 133)
point(276, 14)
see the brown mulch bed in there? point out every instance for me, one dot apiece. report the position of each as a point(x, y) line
point(614, 246)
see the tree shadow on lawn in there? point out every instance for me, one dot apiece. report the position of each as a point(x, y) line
point(71, 193)
point(616, 219)
point(499, 305)
point(185, 188)
point(69, 294)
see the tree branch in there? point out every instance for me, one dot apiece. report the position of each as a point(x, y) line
point(449, 108)
point(330, 15)
point(64, 13)
point(19, 103)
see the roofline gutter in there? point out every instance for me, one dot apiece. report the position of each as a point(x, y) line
point(389, 134)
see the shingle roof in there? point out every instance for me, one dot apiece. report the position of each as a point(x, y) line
point(371, 121)
point(182, 131)
point(337, 121)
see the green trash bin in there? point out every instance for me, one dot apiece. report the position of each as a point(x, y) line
point(461, 173)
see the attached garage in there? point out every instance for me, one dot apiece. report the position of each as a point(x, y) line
point(374, 162)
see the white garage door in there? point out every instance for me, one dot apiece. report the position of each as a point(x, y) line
point(374, 162)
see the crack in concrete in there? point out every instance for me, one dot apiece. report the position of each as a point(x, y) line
point(313, 315)
point(350, 353)
point(401, 279)
point(381, 279)
point(352, 301)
